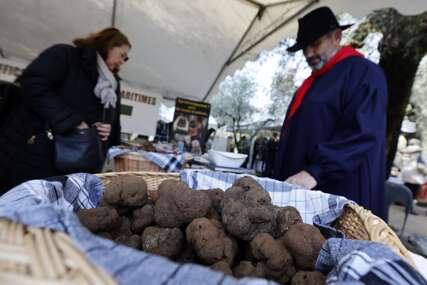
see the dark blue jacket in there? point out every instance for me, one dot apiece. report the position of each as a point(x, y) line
point(338, 134)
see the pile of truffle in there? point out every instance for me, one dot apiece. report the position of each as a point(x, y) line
point(237, 231)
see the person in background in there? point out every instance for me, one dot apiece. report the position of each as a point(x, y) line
point(230, 144)
point(66, 87)
point(209, 140)
point(413, 168)
point(271, 150)
point(333, 135)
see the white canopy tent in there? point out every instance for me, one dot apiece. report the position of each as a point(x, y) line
point(180, 48)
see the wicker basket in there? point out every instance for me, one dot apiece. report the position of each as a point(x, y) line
point(134, 162)
point(356, 222)
point(39, 256)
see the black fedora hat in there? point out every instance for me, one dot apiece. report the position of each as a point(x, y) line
point(314, 25)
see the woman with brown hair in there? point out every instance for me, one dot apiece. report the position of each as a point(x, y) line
point(64, 88)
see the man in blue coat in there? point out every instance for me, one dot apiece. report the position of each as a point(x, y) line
point(333, 136)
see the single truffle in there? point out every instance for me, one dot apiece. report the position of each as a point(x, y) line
point(177, 204)
point(127, 191)
point(123, 229)
point(286, 217)
point(274, 257)
point(308, 278)
point(248, 183)
point(216, 196)
point(210, 242)
point(247, 269)
point(142, 218)
point(188, 255)
point(223, 267)
point(133, 241)
point(304, 242)
point(100, 219)
point(247, 211)
point(167, 242)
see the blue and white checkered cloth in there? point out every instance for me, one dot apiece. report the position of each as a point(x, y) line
point(52, 203)
point(359, 262)
point(167, 162)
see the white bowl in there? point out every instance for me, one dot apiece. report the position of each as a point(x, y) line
point(226, 159)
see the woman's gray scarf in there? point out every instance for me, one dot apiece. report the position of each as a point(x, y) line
point(106, 86)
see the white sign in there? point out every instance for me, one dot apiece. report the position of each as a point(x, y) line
point(140, 110)
point(10, 69)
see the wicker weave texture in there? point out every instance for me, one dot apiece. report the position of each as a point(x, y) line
point(359, 223)
point(133, 162)
point(39, 256)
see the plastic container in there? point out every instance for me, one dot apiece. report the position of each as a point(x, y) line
point(226, 159)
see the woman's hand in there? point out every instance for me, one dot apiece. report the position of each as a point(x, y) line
point(83, 125)
point(104, 130)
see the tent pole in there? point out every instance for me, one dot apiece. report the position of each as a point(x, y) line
point(282, 3)
point(285, 22)
point(113, 13)
point(232, 53)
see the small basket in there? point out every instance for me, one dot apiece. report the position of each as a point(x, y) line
point(30, 255)
point(134, 162)
point(356, 222)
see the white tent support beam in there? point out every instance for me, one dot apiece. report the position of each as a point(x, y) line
point(285, 22)
point(232, 53)
point(253, 2)
point(113, 13)
point(281, 3)
point(261, 9)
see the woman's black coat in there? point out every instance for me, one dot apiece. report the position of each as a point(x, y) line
point(57, 94)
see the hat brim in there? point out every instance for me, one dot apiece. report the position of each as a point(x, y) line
point(298, 46)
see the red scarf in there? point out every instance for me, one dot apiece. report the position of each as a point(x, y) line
point(342, 54)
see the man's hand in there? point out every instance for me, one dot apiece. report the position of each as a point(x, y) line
point(104, 130)
point(302, 178)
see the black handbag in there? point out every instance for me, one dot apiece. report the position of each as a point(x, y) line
point(79, 150)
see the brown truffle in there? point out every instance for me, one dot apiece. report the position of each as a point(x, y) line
point(167, 242)
point(223, 267)
point(142, 218)
point(123, 229)
point(210, 242)
point(274, 257)
point(308, 278)
point(133, 241)
point(216, 196)
point(247, 211)
point(247, 269)
point(248, 183)
point(188, 255)
point(99, 219)
point(213, 215)
point(304, 242)
point(177, 204)
point(127, 191)
point(286, 217)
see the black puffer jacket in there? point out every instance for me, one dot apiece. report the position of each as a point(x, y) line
point(57, 94)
